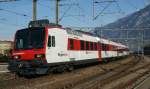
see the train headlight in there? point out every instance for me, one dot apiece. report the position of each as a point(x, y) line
point(39, 55)
point(16, 57)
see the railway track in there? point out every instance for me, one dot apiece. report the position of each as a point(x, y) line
point(115, 79)
point(84, 78)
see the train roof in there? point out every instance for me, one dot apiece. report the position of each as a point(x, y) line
point(46, 23)
point(99, 39)
point(42, 23)
point(106, 41)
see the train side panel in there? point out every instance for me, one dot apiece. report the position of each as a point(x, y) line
point(57, 50)
point(62, 50)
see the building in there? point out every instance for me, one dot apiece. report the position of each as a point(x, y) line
point(5, 47)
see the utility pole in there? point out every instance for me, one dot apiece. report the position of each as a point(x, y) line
point(57, 11)
point(34, 10)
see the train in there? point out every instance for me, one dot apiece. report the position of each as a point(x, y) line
point(44, 47)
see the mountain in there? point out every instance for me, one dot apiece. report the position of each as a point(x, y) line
point(140, 18)
point(137, 20)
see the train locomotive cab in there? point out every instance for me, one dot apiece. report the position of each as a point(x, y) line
point(29, 52)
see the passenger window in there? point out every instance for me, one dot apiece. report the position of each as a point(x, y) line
point(87, 45)
point(71, 44)
point(104, 47)
point(82, 44)
point(95, 46)
point(91, 45)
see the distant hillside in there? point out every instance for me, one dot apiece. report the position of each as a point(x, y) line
point(140, 18)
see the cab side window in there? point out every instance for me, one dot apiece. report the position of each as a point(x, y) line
point(51, 41)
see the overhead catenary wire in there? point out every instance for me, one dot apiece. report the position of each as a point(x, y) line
point(132, 5)
point(102, 11)
point(108, 1)
point(12, 24)
point(8, 0)
point(81, 9)
point(105, 4)
point(65, 13)
point(3, 21)
point(118, 7)
point(70, 5)
point(10, 11)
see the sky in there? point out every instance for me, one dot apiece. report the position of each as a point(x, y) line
point(73, 13)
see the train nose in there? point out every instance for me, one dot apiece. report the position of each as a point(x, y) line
point(26, 55)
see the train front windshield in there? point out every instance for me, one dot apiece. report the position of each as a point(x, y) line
point(32, 38)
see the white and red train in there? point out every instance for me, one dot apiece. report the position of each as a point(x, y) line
point(39, 50)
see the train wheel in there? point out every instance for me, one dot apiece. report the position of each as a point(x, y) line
point(70, 68)
point(58, 69)
point(105, 61)
point(19, 74)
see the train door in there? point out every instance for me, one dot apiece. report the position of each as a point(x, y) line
point(56, 46)
point(99, 51)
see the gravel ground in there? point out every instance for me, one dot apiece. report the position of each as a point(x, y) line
point(59, 81)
